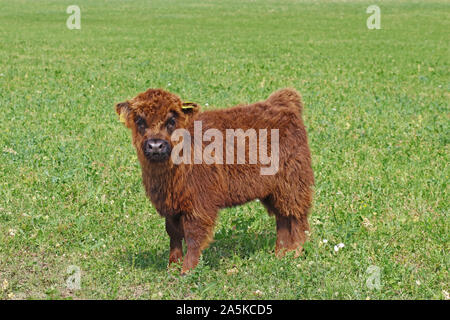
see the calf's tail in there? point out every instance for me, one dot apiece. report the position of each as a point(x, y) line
point(288, 97)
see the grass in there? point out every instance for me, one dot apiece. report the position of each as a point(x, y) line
point(377, 113)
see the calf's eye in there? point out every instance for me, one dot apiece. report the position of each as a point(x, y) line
point(171, 122)
point(141, 125)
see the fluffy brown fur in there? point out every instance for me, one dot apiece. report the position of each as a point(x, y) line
point(189, 196)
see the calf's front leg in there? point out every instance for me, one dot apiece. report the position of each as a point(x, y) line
point(198, 233)
point(174, 229)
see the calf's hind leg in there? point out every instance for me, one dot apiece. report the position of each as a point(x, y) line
point(290, 234)
point(291, 214)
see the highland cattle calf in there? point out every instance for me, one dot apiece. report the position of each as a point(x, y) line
point(189, 178)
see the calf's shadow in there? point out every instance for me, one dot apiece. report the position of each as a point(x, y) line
point(228, 242)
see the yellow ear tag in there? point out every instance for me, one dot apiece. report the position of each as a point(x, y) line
point(188, 105)
point(122, 118)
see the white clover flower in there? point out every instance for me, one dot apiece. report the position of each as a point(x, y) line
point(258, 292)
point(325, 241)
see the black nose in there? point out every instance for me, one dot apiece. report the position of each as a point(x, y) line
point(157, 149)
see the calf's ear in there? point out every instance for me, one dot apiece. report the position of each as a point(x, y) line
point(123, 110)
point(190, 108)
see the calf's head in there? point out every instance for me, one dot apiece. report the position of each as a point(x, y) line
point(152, 117)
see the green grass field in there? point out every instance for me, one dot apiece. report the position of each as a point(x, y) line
point(376, 110)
